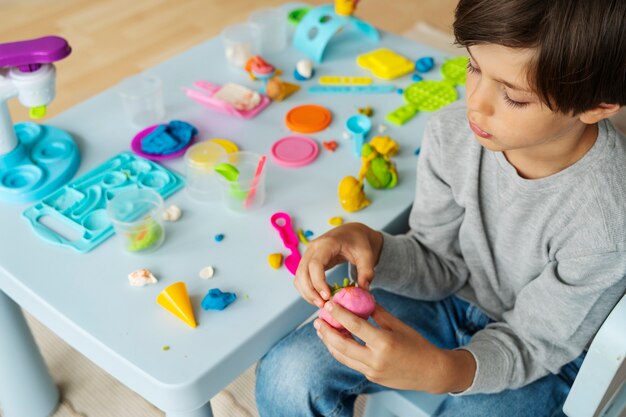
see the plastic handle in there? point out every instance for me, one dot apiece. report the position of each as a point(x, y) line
point(47, 234)
point(34, 51)
point(282, 222)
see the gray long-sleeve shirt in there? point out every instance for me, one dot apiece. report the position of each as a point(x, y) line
point(545, 258)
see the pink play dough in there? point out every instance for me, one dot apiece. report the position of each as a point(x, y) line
point(355, 299)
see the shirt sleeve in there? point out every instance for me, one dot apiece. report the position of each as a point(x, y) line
point(533, 339)
point(426, 263)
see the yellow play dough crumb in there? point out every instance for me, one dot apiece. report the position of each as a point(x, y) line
point(275, 260)
point(335, 221)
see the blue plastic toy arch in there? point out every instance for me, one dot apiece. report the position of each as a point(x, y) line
point(318, 27)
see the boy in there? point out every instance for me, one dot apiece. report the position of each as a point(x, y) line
point(517, 247)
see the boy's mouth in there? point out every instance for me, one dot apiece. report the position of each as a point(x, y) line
point(479, 131)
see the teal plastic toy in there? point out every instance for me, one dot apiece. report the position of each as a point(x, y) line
point(320, 24)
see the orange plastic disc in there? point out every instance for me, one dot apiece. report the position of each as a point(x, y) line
point(308, 118)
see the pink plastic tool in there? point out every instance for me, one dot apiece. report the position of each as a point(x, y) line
point(205, 96)
point(282, 222)
point(255, 182)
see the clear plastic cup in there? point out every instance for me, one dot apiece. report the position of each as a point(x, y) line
point(247, 192)
point(239, 44)
point(270, 29)
point(201, 183)
point(137, 216)
point(142, 98)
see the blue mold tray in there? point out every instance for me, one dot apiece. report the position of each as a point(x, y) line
point(80, 206)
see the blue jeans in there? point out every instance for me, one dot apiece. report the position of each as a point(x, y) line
point(298, 377)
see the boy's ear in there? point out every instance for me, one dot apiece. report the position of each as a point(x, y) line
point(602, 111)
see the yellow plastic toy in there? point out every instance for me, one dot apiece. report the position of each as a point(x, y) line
point(344, 80)
point(385, 63)
point(175, 299)
point(345, 7)
point(351, 195)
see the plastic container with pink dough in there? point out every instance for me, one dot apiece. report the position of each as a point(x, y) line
point(206, 95)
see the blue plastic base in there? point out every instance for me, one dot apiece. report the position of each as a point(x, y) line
point(45, 159)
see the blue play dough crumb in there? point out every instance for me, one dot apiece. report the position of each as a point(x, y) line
point(416, 77)
point(424, 64)
point(219, 237)
point(168, 139)
point(308, 233)
point(417, 151)
point(218, 300)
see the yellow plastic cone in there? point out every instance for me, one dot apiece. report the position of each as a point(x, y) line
point(176, 300)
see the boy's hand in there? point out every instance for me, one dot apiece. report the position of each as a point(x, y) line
point(351, 242)
point(395, 355)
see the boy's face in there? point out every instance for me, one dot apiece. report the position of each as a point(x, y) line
point(503, 111)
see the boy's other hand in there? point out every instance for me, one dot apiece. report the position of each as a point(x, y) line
point(395, 355)
point(351, 242)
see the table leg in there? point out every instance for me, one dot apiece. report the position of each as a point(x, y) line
point(26, 388)
point(204, 411)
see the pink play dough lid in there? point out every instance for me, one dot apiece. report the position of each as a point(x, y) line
point(294, 151)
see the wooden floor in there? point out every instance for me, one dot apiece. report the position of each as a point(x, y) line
point(112, 39)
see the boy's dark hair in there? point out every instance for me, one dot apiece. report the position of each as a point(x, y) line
point(581, 45)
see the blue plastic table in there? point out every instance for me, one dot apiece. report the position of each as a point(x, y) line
point(86, 298)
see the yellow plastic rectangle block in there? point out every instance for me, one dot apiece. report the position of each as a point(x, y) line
point(344, 80)
point(385, 63)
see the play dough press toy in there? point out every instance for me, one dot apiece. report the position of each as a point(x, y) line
point(175, 299)
point(206, 96)
point(80, 205)
point(385, 63)
point(352, 298)
point(282, 222)
point(308, 118)
point(294, 151)
point(35, 159)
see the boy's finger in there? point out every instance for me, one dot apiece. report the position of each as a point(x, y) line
point(384, 318)
point(317, 272)
point(353, 323)
point(353, 354)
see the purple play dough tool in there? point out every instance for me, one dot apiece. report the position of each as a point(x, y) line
point(29, 55)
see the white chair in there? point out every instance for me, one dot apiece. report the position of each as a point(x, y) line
point(599, 388)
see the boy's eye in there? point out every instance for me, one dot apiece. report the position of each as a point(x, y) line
point(513, 103)
point(471, 68)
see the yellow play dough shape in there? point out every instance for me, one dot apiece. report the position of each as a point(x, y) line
point(275, 260)
point(385, 63)
point(335, 221)
point(176, 300)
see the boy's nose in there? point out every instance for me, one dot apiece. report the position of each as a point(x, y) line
point(479, 99)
